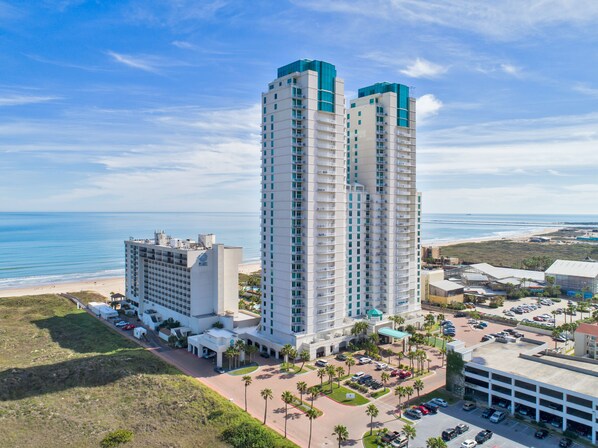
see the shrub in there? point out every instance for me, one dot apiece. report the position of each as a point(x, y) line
point(116, 438)
point(249, 433)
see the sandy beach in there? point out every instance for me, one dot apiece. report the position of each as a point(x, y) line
point(520, 237)
point(103, 286)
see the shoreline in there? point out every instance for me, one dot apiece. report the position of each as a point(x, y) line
point(518, 237)
point(105, 286)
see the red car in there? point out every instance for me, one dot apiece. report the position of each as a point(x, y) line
point(395, 372)
point(424, 410)
point(404, 374)
point(128, 327)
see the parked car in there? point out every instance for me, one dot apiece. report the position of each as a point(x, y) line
point(395, 372)
point(321, 363)
point(439, 402)
point(461, 428)
point(541, 434)
point(412, 414)
point(381, 365)
point(129, 327)
point(469, 406)
point(498, 417)
point(364, 360)
point(357, 375)
point(460, 314)
point(364, 379)
point(424, 410)
point(390, 436)
point(403, 374)
point(488, 412)
point(468, 443)
point(121, 323)
point(432, 407)
point(487, 337)
point(565, 442)
point(449, 434)
point(341, 357)
point(400, 442)
point(483, 436)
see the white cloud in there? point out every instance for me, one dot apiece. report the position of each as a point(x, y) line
point(586, 89)
point(427, 106)
point(20, 100)
point(134, 61)
point(421, 68)
point(182, 44)
point(510, 69)
point(503, 20)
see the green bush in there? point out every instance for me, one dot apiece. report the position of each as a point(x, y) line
point(116, 438)
point(250, 433)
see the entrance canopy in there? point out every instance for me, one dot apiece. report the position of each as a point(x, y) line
point(392, 333)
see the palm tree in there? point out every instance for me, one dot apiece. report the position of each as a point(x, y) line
point(266, 394)
point(400, 355)
point(287, 397)
point(384, 378)
point(311, 414)
point(246, 381)
point(435, 442)
point(555, 334)
point(340, 372)
point(240, 346)
point(349, 362)
point(418, 385)
point(372, 412)
point(250, 350)
point(439, 318)
point(313, 392)
point(360, 329)
point(428, 360)
point(230, 353)
point(285, 351)
point(293, 354)
point(321, 374)
point(301, 388)
point(303, 357)
point(410, 432)
point(442, 352)
point(411, 357)
point(409, 391)
point(400, 392)
point(331, 372)
point(341, 433)
point(397, 321)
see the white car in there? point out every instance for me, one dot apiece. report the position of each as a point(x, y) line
point(357, 376)
point(364, 360)
point(468, 444)
point(439, 402)
point(381, 365)
point(321, 363)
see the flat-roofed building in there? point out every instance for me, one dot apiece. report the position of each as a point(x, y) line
point(528, 378)
point(428, 276)
point(575, 276)
point(586, 341)
point(445, 292)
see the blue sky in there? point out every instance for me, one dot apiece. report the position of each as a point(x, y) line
point(153, 104)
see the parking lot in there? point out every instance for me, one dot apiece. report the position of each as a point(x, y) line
point(507, 434)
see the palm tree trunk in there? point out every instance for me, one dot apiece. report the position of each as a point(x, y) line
point(265, 410)
point(245, 398)
point(309, 442)
point(286, 417)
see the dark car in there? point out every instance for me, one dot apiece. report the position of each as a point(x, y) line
point(341, 357)
point(565, 442)
point(541, 434)
point(483, 436)
point(364, 379)
point(433, 408)
point(488, 413)
point(461, 428)
point(460, 314)
point(390, 436)
point(449, 434)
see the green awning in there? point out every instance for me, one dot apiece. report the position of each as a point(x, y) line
point(386, 331)
point(375, 313)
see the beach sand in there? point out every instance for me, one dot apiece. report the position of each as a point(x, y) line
point(519, 237)
point(103, 286)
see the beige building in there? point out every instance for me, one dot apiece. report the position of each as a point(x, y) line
point(445, 292)
point(427, 276)
point(586, 340)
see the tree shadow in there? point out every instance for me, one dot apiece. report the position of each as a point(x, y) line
point(93, 371)
point(79, 332)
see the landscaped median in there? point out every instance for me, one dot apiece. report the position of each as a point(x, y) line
point(304, 406)
point(339, 394)
point(244, 370)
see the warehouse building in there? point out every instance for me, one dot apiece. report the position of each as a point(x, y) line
point(575, 277)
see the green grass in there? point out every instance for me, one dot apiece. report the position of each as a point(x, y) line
point(310, 367)
point(511, 254)
point(369, 441)
point(290, 368)
point(68, 380)
point(380, 393)
point(244, 370)
point(338, 395)
point(89, 296)
point(305, 406)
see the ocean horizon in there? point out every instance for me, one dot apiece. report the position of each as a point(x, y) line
point(38, 248)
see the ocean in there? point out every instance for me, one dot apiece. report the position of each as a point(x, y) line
point(42, 248)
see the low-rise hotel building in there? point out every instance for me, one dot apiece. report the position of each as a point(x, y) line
point(586, 341)
point(528, 378)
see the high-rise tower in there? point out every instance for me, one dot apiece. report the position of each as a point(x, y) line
point(381, 158)
point(303, 194)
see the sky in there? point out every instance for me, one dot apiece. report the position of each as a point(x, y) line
point(153, 105)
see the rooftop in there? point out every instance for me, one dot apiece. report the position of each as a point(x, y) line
point(560, 371)
point(574, 268)
point(499, 273)
point(591, 329)
point(446, 285)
